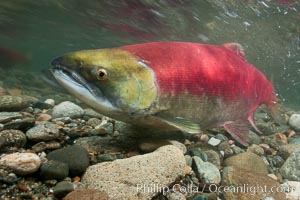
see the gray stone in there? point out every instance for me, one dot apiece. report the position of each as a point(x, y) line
point(62, 189)
point(277, 161)
point(50, 102)
point(214, 158)
point(95, 143)
point(286, 150)
point(9, 116)
point(206, 171)
point(198, 152)
point(237, 150)
point(76, 157)
point(223, 146)
point(54, 170)
point(189, 160)
point(15, 103)
point(253, 138)
point(20, 124)
point(130, 178)
point(21, 163)
point(294, 122)
point(42, 146)
point(106, 157)
point(43, 131)
point(221, 137)
point(291, 168)
point(67, 109)
point(12, 138)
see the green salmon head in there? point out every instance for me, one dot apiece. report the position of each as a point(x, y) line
point(112, 81)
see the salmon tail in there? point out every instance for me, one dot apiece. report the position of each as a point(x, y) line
point(278, 112)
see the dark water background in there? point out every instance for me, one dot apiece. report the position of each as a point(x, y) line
point(268, 30)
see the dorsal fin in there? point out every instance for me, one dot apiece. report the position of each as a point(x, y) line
point(237, 48)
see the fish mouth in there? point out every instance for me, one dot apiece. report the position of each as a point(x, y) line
point(86, 91)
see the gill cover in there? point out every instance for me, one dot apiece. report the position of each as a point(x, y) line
point(127, 82)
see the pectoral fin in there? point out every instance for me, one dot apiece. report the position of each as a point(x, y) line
point(238, 130)
point(181, 124)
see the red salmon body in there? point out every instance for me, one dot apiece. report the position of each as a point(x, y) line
point(218, 79)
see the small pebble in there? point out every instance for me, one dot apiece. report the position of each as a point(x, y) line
point(221, 137)
point(254, 148)
point(230, 142)
point(132, 153)
point(189, 160)
point(273, 176)
point(223, 145)
point(62, 189)
point(188, 169)
point(106, 158)
point(44, 117)
point(237, 150)
point(22, 163)
point(23, 187)
point(277, 161)
point(204, 138)
point(187, 142)
point(214, 141)
point(54, 170)
point(94, 122)
point(76, 179)
point(294, 122)
point(265, 146)
point(67, 109)
point(50, 102)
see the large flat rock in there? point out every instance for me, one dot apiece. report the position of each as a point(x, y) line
point(138, 177)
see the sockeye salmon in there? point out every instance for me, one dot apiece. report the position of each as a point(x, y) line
point(169, 86)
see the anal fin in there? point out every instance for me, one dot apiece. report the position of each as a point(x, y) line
point(181, 124)
point(238, 130)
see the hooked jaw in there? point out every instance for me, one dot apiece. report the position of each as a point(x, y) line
point(69, 78)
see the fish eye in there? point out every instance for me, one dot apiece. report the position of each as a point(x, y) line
point(101, 74)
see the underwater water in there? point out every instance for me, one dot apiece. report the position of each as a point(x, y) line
point(51, 143)
point(32, 33)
